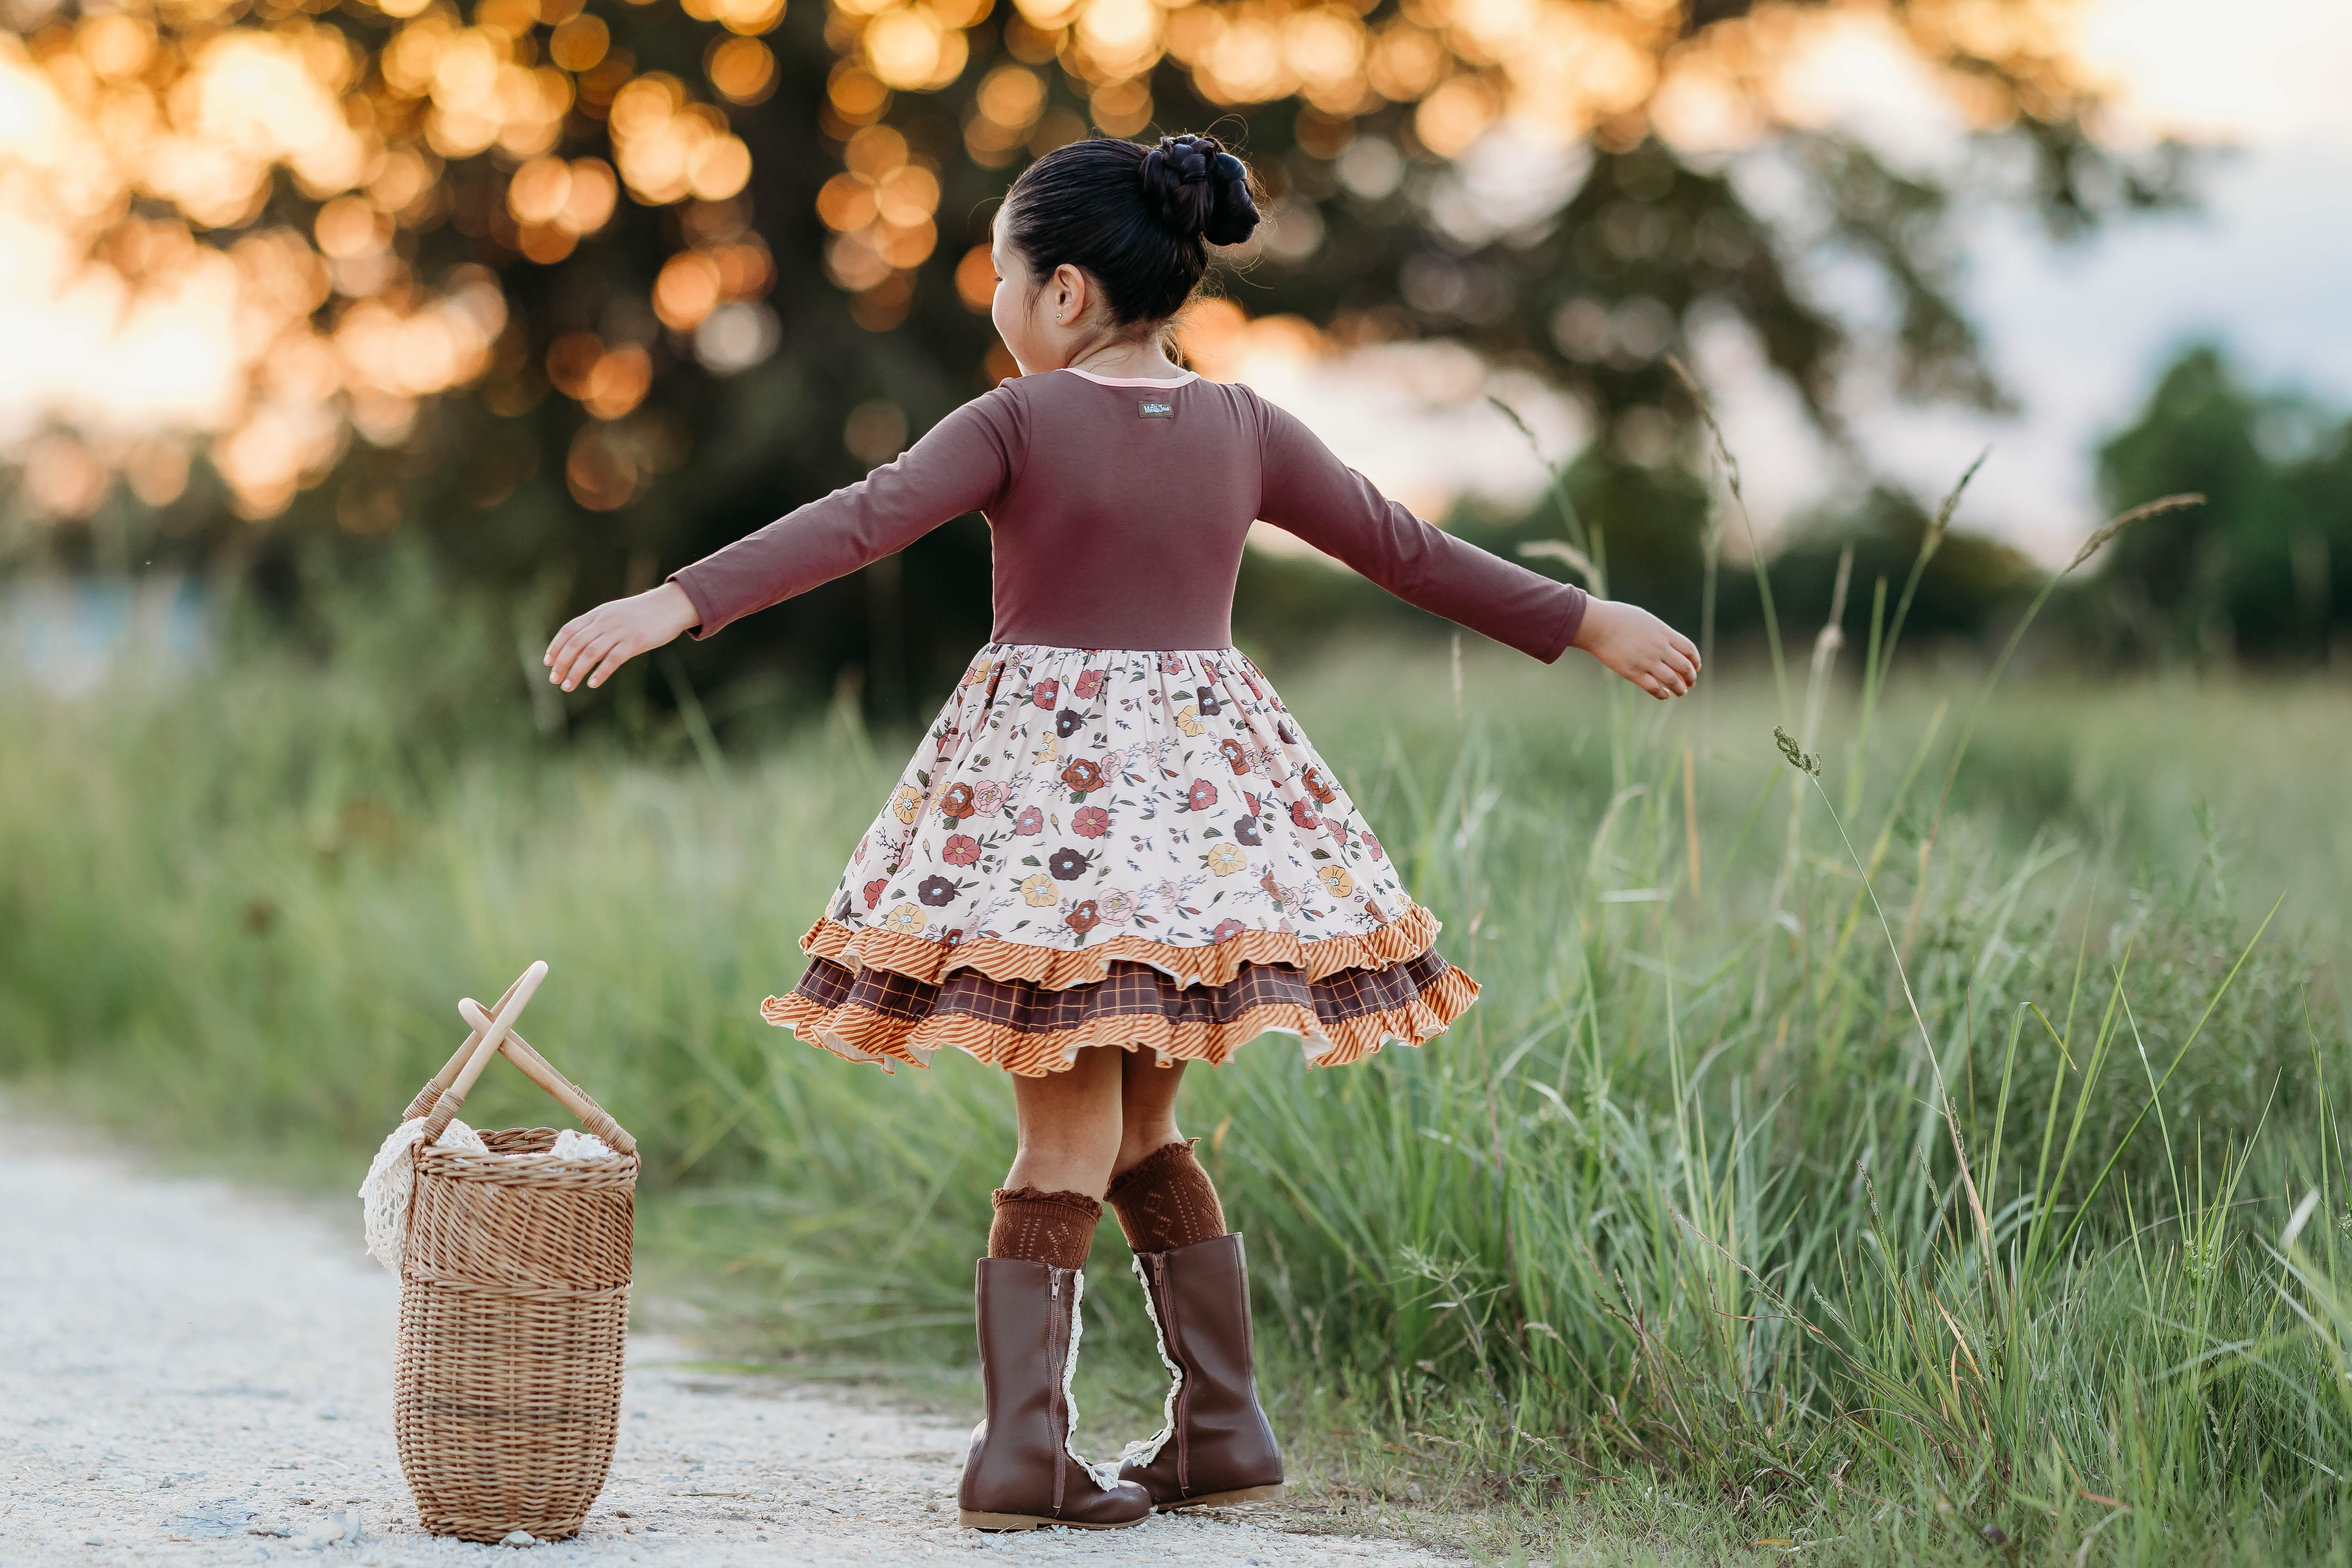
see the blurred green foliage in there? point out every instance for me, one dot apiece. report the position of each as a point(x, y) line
point(2264, 569)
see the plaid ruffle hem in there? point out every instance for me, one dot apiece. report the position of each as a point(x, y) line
point(1131, 848)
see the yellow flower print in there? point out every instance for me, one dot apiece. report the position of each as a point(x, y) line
point(907, 805)
point(907, 918)
point(1046, 752)
point(1337, 879)
point(1224, 859)
point(1188, 719)
point(976, 674)
point(1038, 891)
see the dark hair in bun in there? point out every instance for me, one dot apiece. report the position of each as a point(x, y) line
point(1139, 219)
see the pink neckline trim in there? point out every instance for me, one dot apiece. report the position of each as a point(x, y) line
point(1132, 380)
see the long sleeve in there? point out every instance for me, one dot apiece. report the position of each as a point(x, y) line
point(1310, 493)
point(963, 464)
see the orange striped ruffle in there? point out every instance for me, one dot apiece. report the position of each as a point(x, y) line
point(860, 1034)
point(1406, 937)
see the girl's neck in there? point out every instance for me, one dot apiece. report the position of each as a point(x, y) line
point(1131, 360)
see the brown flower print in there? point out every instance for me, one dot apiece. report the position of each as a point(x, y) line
point(1083, 776)
point(1202, 796)
point(1236, 755)
point(1245, 831)
point(1031, 821)
point(1068, 722)
point(960, 849)
point(936, 892)
point(1206, 697)
point(1083, 919)
point(1091, 822)
point(956, 803)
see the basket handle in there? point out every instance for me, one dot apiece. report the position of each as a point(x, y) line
point(489, 1036)
point(566, 1093)
point(448, 1073)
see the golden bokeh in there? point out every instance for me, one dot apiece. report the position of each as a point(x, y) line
point(743, 69)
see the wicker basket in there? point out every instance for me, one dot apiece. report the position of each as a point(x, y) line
point(514, 1307)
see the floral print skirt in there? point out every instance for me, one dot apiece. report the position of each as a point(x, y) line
point(1131, 848)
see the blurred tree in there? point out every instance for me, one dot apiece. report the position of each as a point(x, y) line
point(2265, 568)
point(1969, 580)
point(596, 289)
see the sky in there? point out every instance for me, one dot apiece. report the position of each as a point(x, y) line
point(2077, 333)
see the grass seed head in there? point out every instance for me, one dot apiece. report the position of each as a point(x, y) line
point(1798, 758)
point(2122, 520)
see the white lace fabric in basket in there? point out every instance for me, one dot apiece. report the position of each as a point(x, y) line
point(392, 1177)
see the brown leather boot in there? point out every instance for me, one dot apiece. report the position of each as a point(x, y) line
point(1022, 1471)
point(1216, 1447)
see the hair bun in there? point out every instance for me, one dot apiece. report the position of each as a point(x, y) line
point(1200, 190)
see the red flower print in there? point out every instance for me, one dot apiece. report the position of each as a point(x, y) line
point(1045, 693)
point(953, 937)
point(1371, 845)
point(956, 803)
point(1202, 796)
point(1323, 792)
point(1227, 930)
point(1170, 665)
point(1084, 919)
point(1091, 822)
point(1303, 814)
point(961, 849)
point(873, 890)
point(1236, 754)
point(1256, 805)
point(1030, 821)
point(1083, 776)
point(1090, 682)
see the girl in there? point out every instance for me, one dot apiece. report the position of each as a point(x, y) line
point(1116, 853)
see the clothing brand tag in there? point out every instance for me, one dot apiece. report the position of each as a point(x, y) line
point(1154, 408)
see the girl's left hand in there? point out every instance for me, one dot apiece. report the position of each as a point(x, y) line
point(608, 637)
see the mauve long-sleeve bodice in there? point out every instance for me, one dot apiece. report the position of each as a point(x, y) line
point(1118, 510)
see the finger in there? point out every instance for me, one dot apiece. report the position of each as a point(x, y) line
point(1684, 647)
point(1685, 669)
point(567, 645)
point(1671, 678)
point(555, 644)
point(620, 653)
point(584, 661)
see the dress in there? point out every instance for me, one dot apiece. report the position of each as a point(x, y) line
point(1126, 839)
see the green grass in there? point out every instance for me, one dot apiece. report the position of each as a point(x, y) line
point(1666, 1249)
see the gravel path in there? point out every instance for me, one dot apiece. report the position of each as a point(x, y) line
point(195, 1373)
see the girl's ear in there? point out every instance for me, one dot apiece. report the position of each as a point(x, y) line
point(1069, 301)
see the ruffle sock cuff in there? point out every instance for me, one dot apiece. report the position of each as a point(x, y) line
point(1054, 1229)
point(1166, 1201)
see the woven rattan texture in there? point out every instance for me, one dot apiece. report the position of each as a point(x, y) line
point(514, 1309)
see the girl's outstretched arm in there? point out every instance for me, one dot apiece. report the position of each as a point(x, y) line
point(960, 466)
point(1310, 492)
point(1636, 643)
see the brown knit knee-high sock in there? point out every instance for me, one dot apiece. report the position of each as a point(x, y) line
point(1057, 1228)
point(1167, 1201)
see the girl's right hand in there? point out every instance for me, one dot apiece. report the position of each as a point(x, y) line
point(608, 637)
point(1638, 646)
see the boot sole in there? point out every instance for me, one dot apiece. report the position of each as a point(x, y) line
point(1225, 1499)
point(973, 1519)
